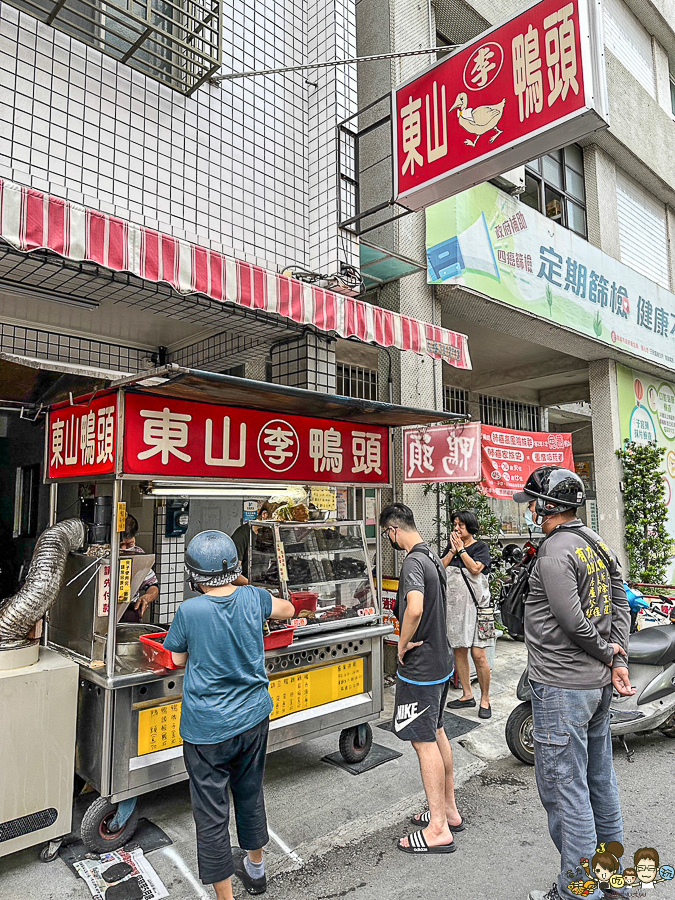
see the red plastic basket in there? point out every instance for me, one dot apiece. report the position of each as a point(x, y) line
point(280, 638)
point(304, 600)
point(156, 651)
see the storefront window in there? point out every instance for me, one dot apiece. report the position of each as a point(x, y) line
point(512, 518)
point(554, 185)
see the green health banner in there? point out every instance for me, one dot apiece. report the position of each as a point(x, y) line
point(491, 243)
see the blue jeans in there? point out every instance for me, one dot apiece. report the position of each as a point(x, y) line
point(575, 773)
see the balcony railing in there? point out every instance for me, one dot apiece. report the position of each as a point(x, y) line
point(176, 42)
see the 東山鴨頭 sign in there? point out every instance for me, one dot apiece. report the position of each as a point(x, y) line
point(518, 91)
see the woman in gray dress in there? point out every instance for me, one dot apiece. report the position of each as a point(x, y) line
point(468, 563)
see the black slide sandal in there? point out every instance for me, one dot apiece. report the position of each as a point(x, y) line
point(424, 818)
point(417, 844)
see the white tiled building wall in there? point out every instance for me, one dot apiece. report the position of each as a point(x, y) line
point(331, 34)
point(228, 167)
point(169, 568)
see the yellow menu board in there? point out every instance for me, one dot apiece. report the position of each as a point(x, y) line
point(292, 693)
point(158, 728)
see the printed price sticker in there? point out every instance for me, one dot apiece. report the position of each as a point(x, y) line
point(281, 561)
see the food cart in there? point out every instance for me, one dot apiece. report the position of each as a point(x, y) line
point(178, 433)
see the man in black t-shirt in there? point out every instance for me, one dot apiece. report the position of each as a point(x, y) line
point(424, 667)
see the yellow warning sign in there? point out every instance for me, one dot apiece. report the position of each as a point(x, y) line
point(124, 595)
point(158, 728)
point(292, 693)
point(121, 516)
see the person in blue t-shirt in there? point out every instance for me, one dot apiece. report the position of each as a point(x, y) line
point(218, 636)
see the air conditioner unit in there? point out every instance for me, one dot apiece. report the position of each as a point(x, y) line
point(513, 181)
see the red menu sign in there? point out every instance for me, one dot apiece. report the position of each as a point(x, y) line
point(171, 438)
point(81, 438)
point(442, 453)
point(519, 90)
point(509, 457)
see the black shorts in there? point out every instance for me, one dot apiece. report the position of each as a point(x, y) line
point(418, 710)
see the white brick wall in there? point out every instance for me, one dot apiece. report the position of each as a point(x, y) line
point(227, 167)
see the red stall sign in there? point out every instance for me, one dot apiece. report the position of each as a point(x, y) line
point(171, 438)
point(441, 453)
point(518, 91)
point(81, 439)
point(509, 457)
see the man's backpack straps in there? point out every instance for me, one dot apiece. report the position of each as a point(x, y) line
point(512, 606)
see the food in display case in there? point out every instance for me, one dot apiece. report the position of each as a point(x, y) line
point(323, 569)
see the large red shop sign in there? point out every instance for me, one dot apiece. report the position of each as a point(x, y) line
point(82, 438)
point(166, 437)
point(517, 91)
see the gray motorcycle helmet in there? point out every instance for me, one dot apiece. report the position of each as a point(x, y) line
point(555, 489)
point(211, 559)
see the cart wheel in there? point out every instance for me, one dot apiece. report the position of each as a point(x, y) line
point(668, 727)
point(50, 851)
point(94, 830)
point(355, 743)
point(520, 733)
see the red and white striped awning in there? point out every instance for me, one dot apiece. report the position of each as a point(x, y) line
point(32, 220)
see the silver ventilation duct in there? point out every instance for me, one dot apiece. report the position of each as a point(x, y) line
point(19, 613)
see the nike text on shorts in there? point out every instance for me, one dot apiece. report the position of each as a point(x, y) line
point(418, 711)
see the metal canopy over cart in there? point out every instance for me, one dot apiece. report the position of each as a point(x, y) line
point(178, 432)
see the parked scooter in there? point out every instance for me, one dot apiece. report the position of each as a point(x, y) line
point(651, 668)
point(517, 560)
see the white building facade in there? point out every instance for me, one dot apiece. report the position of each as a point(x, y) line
point(614, 191)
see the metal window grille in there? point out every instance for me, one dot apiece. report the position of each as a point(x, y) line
point(509, 414)
point(176, 42)
point(355, 381)
point(455, 401)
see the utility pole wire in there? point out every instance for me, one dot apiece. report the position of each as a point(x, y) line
point(254, 73)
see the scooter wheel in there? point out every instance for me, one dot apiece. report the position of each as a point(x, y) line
point(95, 832)
point(668, 727)
point(520, 733)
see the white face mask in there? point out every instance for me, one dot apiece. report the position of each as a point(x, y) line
point(529, 519)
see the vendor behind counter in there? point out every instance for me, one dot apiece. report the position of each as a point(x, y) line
point(241, 535)
point(149, 589)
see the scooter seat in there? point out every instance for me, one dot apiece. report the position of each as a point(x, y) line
point(653, 646)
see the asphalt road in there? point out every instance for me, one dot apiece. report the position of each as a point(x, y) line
point(506, 850)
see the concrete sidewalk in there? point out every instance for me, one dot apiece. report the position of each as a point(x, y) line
point(312, 806)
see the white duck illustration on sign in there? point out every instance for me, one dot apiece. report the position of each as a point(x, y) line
point(479, 120)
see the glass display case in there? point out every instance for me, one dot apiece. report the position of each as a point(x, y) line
point(322, 568)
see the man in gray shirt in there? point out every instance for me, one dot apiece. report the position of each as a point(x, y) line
point(577, 621)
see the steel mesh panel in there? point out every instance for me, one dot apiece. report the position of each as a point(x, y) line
point(26, 824)
point(248, 331)
point(457, 21)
